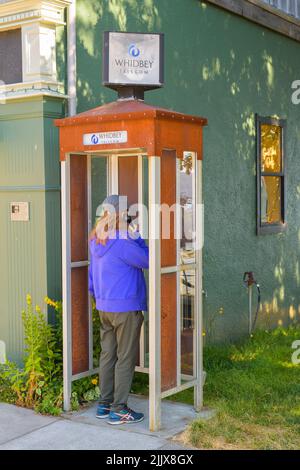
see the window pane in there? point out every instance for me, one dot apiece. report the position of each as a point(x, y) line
point(187, 203)
point(270, 199)
point(187, 312)
point(99, 170)
point(270, 148)
point(11, 56)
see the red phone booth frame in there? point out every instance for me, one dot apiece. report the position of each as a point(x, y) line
point(163, 136)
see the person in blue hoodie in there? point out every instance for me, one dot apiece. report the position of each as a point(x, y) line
point(116, 281)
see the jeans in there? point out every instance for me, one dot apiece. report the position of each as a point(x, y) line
point(120, 333)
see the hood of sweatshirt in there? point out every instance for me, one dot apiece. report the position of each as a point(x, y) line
point(97, 249)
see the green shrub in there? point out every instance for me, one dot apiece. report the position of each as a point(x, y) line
point(39, 384)
point(7, 394)
point(41, 377)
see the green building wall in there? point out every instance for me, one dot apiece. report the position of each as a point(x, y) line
point(30, 252)
point(217, 65)
point(225, 68)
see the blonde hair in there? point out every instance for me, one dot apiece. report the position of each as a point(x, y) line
point(104, 227)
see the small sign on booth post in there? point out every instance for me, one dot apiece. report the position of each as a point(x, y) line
point(19, 211)
point(2, 352)
point(103, 138)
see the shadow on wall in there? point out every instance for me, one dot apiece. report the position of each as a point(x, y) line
point(227, 69)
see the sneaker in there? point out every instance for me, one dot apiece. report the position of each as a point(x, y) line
point(103, 411)
point(125, 416)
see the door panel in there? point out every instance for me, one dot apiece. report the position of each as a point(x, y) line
point(79, 225)
point(99, 183)
point(80, 320)
point(168, 281)
point(168, 196)
point(128, 178)
point(79, 208)
point(79, 252)
point(128, 186)
point(168, 331)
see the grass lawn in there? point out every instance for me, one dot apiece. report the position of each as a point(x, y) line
point(255, 390)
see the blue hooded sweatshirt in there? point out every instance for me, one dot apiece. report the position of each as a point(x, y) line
point(116, 279)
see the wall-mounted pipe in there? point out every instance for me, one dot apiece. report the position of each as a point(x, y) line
point(71, 58)
point(249, 281)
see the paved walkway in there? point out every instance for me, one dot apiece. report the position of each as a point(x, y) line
point(24, 429)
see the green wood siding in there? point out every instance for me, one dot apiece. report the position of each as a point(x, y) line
point(29, 251)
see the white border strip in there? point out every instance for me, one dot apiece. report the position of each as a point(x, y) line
point(198, 353)
point(154, 296)
point(66, 282)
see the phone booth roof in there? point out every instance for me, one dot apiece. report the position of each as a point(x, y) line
point(150, 129)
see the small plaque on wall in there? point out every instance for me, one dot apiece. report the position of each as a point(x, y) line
point(19, 211)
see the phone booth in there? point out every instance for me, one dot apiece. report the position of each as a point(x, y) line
point(154, 156)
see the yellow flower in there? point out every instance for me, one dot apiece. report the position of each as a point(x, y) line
point(94, 381)
point(38, 309)
point(28, 299)
point(50, 302)
point(203, 333)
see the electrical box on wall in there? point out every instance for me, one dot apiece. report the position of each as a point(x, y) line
point(2, 352)
point(19, 211)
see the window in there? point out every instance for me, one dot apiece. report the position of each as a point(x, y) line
point(291, 7)
point(271, 168)
point(187, 277)
point(11, 56)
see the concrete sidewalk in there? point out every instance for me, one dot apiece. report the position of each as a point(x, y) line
point(24, 429)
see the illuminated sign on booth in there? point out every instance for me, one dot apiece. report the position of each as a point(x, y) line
point(133, 59)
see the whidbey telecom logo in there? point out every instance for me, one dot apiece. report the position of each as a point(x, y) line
point(134, 62)
point(133, 50)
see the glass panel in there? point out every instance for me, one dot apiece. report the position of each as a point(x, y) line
point(187, 203)
point(99, 190)
point(187, 316)
point(99, 177)
point(271, 148)
point(270, 199)
point(128, 178)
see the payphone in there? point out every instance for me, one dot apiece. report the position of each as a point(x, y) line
point(154, 156)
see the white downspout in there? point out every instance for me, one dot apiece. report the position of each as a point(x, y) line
point(65, 207)
point(71, 45)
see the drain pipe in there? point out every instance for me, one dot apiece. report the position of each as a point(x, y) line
point(71, 58)
point(71, 91)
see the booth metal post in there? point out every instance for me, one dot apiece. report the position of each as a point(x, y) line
point(90, 226)
point(142, 231)
point(198, 389)
point(154, 295)
point(66, 282)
